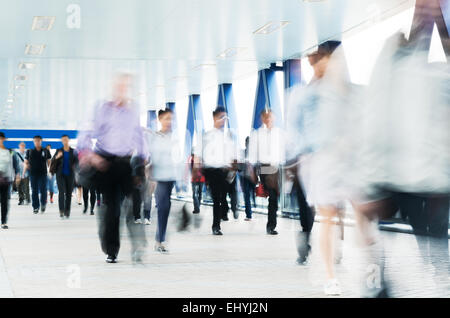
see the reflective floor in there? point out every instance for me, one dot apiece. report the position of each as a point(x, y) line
point(44, 256)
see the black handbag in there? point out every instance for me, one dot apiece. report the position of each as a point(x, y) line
point(87, 177)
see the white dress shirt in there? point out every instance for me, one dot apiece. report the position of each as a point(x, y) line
point(267, 146)
point(218, 149)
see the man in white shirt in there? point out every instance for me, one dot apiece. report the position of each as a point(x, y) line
point(218, 153)
point(266, 152)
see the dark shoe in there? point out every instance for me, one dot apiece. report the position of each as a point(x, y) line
point(85, 210)
point(4, 226)
point(303, 258)
point(20, 203)
point(61, 214)
point(225, 218)
point(217, 232)
point(184, 219)
point(43, 208)
point(236, 214)
point(92, 212)
point(303, 247)
point(35, 211)
point(196, 212)
point(272, 232)
point(111, 259)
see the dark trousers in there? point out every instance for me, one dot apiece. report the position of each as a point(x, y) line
point(4, 198)
point(307, 213)
point(197, 190)
point(65, 188)
point(218, 186)
point(24, 190)
point(137, 202)
point(115, 184)
point(270, 183)
point(248, 190)
point(93, 197)
point(38, 186)
point(428, 215)
point(142, 194)
point(162, 195)
point(232, 192)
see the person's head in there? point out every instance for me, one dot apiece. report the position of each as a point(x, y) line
point(2, 139)
point(122, 86)
point(219, 117)
point(37, 140)
point(22, 146)
point(267, 118)
point(319, 59)
point(65, 140)
point(48, 147)
point(165, 118)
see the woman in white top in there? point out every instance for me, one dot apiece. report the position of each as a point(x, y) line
point(166, 168)
point(6, 177)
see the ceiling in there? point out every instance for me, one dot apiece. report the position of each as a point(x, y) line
point(163, 42)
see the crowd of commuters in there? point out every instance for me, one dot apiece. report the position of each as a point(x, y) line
point(340, 144)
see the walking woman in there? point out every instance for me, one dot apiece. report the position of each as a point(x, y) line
point(166, 169)
point(6, 178)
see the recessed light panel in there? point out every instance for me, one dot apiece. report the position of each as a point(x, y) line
point(205, 66)
point(232, 51)
point(20, 78)
point(26, 66)
point(42, 23)
point(271, 27)
point(34, 49)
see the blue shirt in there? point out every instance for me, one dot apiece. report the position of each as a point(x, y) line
point(66, 163)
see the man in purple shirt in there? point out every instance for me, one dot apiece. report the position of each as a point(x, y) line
point(116, 127)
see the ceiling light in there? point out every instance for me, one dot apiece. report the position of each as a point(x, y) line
point(34, 49)
point(26, 65)
point(10, 100)
point(20, 78)
point(232, 51)
point(179, 78)
point(271, 27)
point(204, 66)
point(42, 23)
point(18, 86)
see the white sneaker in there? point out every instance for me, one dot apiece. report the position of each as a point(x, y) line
point(138, 221)
point(147, 222)
point(332, 288)
point(161, 248)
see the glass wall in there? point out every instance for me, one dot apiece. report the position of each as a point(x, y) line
point(361, 50)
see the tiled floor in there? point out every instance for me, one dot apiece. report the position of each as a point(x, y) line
point(44, 256)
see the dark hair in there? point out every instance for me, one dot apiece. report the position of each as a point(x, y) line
point(64, 136)
point(2, 134)
point(37, 137)
point(165, 111)
point(328, 47)
point(48, 145)
point(218, 110)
